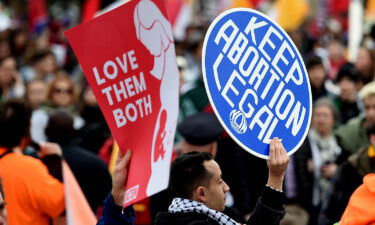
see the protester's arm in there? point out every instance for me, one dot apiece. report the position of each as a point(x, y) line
point(50, 154)
point(269, 209)
point(113, 213)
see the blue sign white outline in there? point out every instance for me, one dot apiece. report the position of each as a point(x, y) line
point(227, 129)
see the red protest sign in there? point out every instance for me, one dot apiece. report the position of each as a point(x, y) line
point(128, 58)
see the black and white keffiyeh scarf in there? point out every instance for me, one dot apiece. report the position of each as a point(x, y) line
point(187, 205)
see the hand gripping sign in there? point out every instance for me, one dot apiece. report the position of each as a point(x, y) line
point(128, 58)
point(256, 81)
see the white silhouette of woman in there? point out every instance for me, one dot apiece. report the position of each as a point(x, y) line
point(155, 33)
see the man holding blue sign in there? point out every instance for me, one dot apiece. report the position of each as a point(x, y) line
point(200, 191)
point(256, 81)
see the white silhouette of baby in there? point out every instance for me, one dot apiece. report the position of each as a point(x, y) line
point(155, 33)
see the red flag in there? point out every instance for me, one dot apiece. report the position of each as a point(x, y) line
point(37, 15)
point(89, 9)
point(339, 6)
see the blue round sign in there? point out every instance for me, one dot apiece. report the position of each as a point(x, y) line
point(256, 81)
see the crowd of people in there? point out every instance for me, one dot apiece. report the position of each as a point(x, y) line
point(48, 111)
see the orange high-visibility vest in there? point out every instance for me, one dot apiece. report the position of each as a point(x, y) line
point(32, 195)
point(360, 209)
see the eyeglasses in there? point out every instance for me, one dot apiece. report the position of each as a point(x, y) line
point(63, 91)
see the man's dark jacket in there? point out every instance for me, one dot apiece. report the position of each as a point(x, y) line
point(268, 211)
point(91, 173)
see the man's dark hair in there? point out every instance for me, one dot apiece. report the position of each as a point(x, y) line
point(188, 173)
point(313, 60)
point(349, 72)
point(40, 55)
point(14, 123)
point(60, 128)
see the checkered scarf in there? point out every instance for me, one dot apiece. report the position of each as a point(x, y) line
point(186, 205)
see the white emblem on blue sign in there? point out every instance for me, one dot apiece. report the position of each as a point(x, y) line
point(256, 81)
